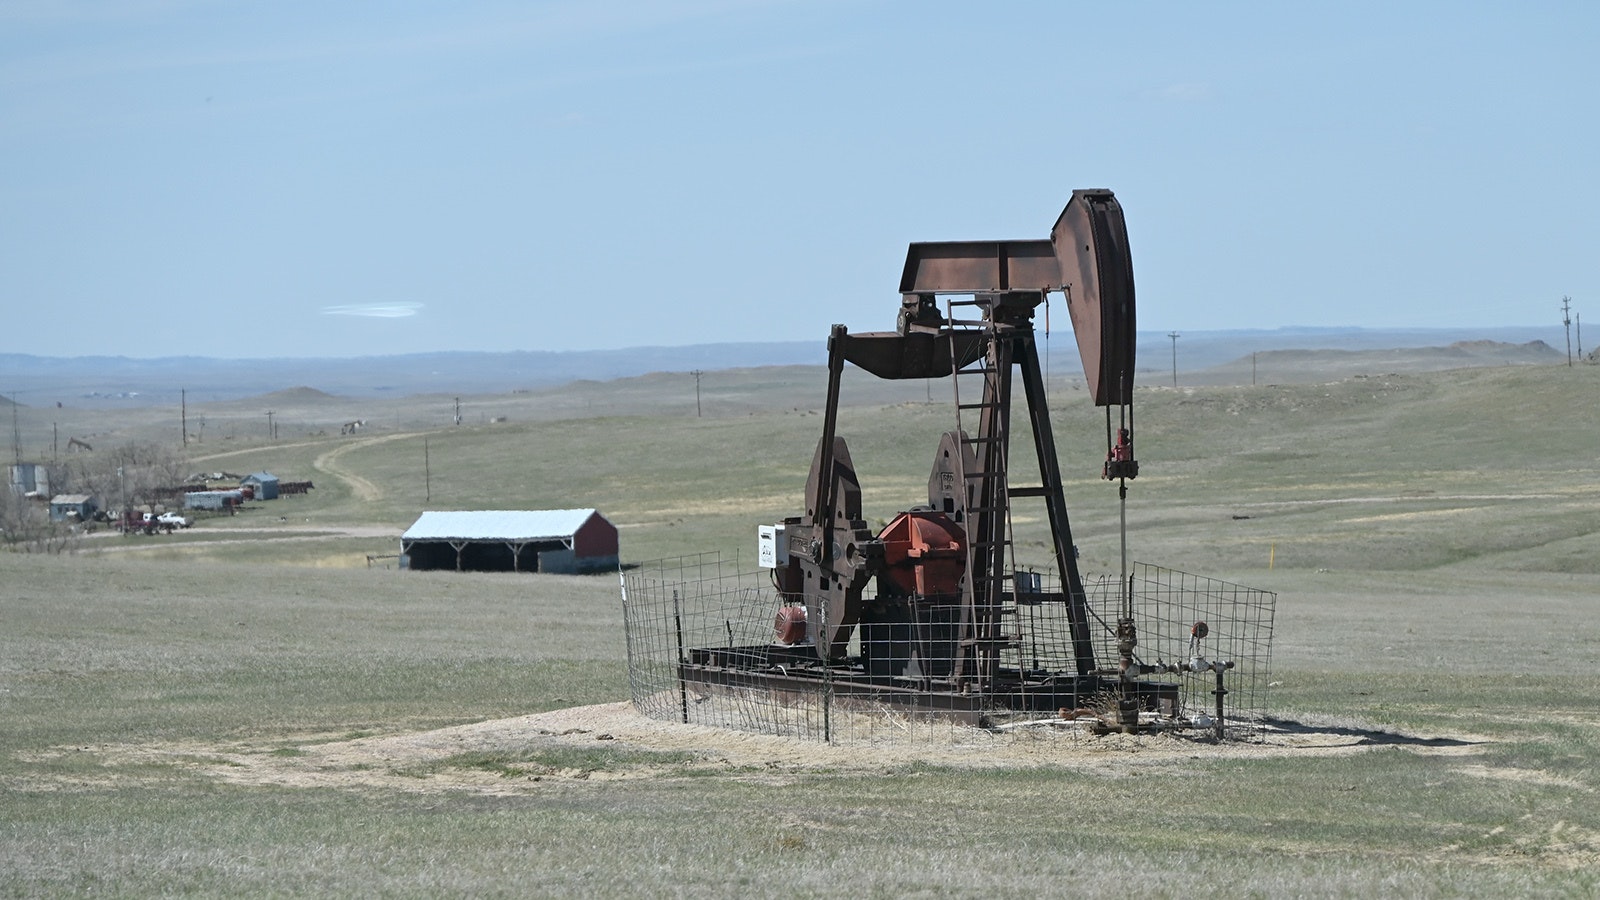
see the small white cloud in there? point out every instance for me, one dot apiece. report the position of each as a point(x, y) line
point(374, 310)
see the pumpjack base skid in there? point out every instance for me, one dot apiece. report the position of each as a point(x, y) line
point(797, 673)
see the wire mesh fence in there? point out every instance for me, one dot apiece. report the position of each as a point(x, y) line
point(1237, 630)
point(704, 647)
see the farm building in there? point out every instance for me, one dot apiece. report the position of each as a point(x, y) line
point(545, 540)
point(264, 484)
point(72, 508)
point(31, 479)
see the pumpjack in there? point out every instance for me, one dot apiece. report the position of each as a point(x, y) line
point(938, 632)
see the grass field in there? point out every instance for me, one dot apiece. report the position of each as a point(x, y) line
point(1432, 538)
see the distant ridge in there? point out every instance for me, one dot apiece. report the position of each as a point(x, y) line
point(1465, 352)
point(294, 395)
point(122, 382)
point(1305, 365)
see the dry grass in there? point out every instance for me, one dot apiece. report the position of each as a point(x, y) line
point(247, 713)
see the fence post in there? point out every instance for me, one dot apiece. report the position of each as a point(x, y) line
point(677, 627)
point(827, 686)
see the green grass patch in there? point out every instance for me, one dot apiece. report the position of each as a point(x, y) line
point(553, 760)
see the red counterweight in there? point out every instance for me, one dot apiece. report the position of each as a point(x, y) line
point(924, 553)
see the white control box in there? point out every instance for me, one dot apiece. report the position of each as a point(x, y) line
point(772, 550)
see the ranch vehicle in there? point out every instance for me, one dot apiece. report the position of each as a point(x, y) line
point(135, 522)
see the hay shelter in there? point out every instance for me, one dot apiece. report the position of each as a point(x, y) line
point(566, 541)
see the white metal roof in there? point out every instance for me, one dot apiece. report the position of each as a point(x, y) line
point(498, 525)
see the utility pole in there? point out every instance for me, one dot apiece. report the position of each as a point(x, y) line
point(272, 430)
point(697, 373)
point(1252, 370)
point(16, 431)
point(427, 473)
point(183, 395)
point(458, 411)
point(1174, 335)
point(1578, 317)
point(1566, 320)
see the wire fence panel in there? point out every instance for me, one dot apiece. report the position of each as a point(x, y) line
point(1237, 629)
point(705, 647)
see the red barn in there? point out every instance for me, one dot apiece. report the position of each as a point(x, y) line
point(569, 541)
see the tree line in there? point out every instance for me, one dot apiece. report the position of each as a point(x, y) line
point(132, 476)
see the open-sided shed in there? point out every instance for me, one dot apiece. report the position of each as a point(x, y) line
point(544, 540)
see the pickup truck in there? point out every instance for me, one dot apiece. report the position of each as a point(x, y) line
point(135, 522)
point(173, 519)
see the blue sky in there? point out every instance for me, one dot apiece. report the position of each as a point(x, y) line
point(342, 179)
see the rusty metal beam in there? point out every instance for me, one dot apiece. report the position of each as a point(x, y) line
point(971, 267)
point(1086, 258)
point(920, 354)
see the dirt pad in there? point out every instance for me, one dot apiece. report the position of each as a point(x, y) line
point(611, 742)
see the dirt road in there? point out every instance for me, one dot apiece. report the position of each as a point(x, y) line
point(360, 488)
